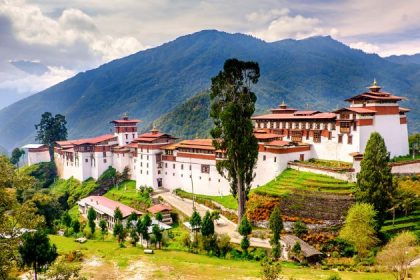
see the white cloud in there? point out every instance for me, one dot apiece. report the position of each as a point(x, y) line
point(73, 27)
point(24, 84)
point(366, 47)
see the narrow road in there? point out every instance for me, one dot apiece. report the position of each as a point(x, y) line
point(223, 225)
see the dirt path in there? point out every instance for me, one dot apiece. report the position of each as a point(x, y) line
point(223, 225)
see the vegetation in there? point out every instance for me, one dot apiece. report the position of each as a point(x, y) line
point(72, 190)
point(414, 145)
point(299, 228)
point(127, 194)
point(359, 228)
point(227, 201)
point(232, 105)
point(51, 129)
point(245, 229)
point(397, 255)
point(189, 119)
point(36, 251)
point(91, 218)
point(292, 180)
point(327, 163)
point(270, 270)
point(16, 155)
point(276, 226)
point(374, 181)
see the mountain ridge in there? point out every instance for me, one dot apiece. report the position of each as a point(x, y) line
point(318, 71)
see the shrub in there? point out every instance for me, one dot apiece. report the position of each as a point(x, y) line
point(270, 270)
point(334, 277)
point(223, 243)
point(299, 228)
point(259, 254)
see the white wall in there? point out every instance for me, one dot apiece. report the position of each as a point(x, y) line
point(37, 157)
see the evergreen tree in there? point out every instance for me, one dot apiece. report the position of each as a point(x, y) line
point(119, 232)
point(118, 216)
point(207, 225)
point(36, 251)
point(158, 235)
point(159, 217)
point(91, 218)
point(232, 105)
point(51, 129)
point(134, 237)
point(131, 220)
point(276, 226)
point(103, 227)
point(195, 222)
point(16, 155)
point(245, 229)
point(374, 182)
point(66, 219)
point(76, 226)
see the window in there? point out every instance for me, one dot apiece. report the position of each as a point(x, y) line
point(86, 160)
point(205, 168)
point(141, 171)
point(147, 156)
point(126, 136)
point(173, 166)
point(147, 172)
point(264, 157)
point(104, 160)
point(190, 166)
point(182, 167)
point(349, 139)
point(166, 165)
point(297, 136)
point(317, 136)
point(329, 135)
point(275, 159)
point(147, 165)
point(340, 138)
point(345, 127)
point(141, 164)
point(133, 135)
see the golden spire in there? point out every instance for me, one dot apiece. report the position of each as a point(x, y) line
point(374, 87)
point(283, 105)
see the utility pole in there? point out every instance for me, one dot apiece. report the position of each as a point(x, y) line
point(192, 187)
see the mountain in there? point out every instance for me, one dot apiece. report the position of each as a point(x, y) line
point(317, 72)
point(404, 59)
point(189, 119)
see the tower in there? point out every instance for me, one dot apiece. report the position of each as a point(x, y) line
point(125, 129)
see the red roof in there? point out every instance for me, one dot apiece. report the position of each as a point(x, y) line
point(134, 121)
point(320, 116)
point(279, 143)
point(108, 206)
point(159, 208)
point(404, 110)
point(305, 113)
point(376, 96)
point(359, 110)
point(267, 135)
point(94, 140)
point(204, 144)
point(151, 136)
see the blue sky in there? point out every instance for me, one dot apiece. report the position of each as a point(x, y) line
point(66, 37)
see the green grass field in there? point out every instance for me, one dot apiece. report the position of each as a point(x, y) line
point(410, 223)
point(291, 180)
point(172, 264)
point(327, 163)
point(227, 201)
point(127, 194)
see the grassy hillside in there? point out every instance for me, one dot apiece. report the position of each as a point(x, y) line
point(318, 71)
point(293, 180)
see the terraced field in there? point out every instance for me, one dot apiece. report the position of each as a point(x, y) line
point(291, 180)
point(410, 223)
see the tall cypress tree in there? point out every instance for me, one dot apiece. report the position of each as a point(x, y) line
point(374, 182)
point(232, 105)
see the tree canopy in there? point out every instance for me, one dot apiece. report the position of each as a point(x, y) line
point(51, 129)
point(232, 105)
point(359, 228)
point(16, 155)
point(374, 182)
point(36, 250)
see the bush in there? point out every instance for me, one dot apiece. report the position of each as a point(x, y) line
point(299, 228)
point(223, 243)
point(270, 270)
point(334, 277)
point(87, 233)
point(259, 254)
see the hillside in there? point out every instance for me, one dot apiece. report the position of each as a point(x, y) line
point(317, 72)
point(189, 119)
point(405, 59)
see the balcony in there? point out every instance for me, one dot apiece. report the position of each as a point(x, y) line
point(168, 157)
point(344, 129)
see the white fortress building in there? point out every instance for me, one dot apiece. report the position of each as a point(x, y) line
point(158, 160)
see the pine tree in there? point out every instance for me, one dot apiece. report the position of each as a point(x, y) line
point(207, 226)
point(276, 226)
point(91, 218)
point(374, 182)
point(245, 229)
point(232, 105)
